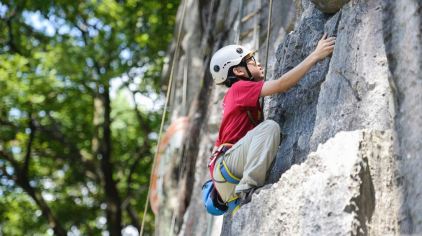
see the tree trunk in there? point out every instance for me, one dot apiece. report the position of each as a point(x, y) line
point(46, 211)
point(113, 201)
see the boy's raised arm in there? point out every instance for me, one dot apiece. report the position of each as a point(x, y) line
point(324, 48)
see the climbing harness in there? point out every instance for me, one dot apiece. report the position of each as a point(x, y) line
point(225, 172)
point(210, 196)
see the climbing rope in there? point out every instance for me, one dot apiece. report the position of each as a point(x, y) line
point(237, 27)
point(170, 83)
point(268, 37)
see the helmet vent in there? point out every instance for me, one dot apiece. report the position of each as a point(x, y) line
point(239, 50)
point(216, 68)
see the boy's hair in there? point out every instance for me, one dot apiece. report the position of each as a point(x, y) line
point(231, 77)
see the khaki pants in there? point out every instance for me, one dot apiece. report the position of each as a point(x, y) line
point(249, 159)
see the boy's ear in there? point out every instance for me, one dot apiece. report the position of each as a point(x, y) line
point(238, 71)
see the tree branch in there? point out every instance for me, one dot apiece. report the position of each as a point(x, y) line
point(54, 132)
point(23, 181)
point(4, 171)
point(32, 129)
point(145, 145)
point(9, 158)
point(7, 123)
point(11, 42)
point(133, 216)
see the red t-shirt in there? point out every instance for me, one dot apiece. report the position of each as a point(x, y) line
point(242, 96)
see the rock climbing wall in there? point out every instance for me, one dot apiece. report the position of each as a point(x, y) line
point(329, 195)
point(350, 158)
point(403, 42)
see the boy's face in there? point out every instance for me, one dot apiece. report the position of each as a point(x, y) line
point(255, 68)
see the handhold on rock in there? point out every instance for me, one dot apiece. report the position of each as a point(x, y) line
point(329, 6)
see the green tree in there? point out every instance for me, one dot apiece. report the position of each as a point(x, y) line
point(74, 158)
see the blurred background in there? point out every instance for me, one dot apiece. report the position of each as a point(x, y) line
point(81, 98)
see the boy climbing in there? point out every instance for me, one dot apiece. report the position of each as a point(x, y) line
point(246, 145)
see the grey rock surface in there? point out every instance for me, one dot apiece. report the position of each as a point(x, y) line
point(334, 192)
point(295, 110)
point(403, 39)
point(356, 92)
point(356, 89)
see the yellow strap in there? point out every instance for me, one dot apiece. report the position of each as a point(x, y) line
point(232, 199)
point(235, 210)
point(228, 171)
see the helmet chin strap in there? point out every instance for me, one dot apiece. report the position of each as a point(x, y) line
point(249, 74)
point(250, 77)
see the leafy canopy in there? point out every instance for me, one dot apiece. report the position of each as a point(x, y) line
point(57, 59)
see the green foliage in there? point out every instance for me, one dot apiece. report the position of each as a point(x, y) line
point(22, 222)
point(57, 59)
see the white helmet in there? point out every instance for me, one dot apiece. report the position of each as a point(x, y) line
point(225, 58)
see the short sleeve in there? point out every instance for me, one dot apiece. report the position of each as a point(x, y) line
point(247, 93)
